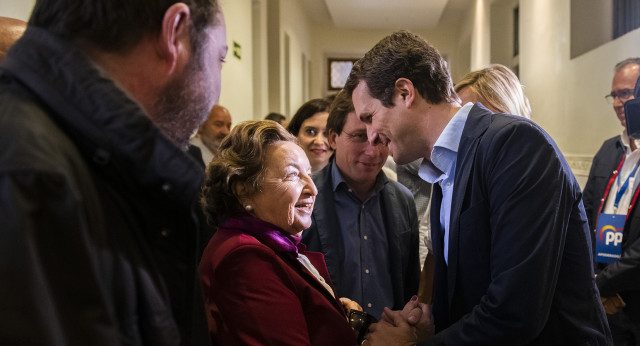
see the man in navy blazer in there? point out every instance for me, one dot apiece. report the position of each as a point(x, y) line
point(365, 224)
point(509, 231)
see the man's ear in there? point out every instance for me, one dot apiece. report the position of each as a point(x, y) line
point(173, 42)
point(404, 92)
point(333, 136)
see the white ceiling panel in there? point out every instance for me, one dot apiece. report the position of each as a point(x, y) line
point(386, 13)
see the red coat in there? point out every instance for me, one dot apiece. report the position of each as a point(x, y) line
point(257, 293)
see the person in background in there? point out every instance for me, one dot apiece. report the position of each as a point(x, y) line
point(277, 117)
point(610, 194)
point(511, 243)
point(365, 224)
point(212, 132)
point(309, 125)
point(497, 88)
point(10, 31)
point(260, 284)
point(98, 100)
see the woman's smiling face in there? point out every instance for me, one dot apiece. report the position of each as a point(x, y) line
point(287, 194)
point(313, 139)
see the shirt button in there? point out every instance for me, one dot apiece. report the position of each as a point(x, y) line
point(448, 184)
point(366, 271)
point(369, 305)
point(166, 187)
point(165, 232)
point(365, 237)
point(349, 190)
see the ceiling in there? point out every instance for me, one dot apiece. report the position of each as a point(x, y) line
point(386, 14)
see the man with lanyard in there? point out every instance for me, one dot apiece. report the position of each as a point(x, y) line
point(610, 197)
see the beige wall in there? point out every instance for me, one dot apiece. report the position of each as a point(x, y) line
point(295, 25)
point(332, 42)
point(567, 95)
point(237, 74)
point(20, 9)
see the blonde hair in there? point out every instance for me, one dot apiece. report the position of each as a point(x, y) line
point(497, 88)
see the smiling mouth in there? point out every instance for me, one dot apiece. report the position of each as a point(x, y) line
point(318, 151)
point(366, 164)
point(305, 207)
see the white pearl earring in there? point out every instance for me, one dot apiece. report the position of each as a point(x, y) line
point(248, 207)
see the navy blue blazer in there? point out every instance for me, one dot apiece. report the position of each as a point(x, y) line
point(520, 267)
point(401, 223)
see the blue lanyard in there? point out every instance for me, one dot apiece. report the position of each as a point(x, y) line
point(622, 189)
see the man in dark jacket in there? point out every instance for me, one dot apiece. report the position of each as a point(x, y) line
point(510, 237)
point(97, 194)
point(616, 163)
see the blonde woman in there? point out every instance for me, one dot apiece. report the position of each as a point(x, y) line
point(497, 88)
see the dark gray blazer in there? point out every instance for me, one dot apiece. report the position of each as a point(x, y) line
point(401, 223)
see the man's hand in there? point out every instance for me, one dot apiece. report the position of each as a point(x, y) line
point(413, 323)
point(613, 305)
point(398, 332)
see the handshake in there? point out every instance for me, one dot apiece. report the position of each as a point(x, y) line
point(412, 324)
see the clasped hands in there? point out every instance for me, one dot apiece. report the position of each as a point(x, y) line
point(408, 326)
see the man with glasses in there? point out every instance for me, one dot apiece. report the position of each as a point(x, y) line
point(365, 224)
point(610, 202)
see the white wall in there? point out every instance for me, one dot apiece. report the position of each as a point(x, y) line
point(567, 95)
point(332, 42)
point(481, 34)
point(295, 24)
point(237, 74)
point(20, 9)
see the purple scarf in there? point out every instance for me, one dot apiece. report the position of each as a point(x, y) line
point(268, 234)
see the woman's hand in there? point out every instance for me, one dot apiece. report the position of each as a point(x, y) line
point(349, 305)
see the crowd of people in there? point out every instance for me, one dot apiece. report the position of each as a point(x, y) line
point(132, 211)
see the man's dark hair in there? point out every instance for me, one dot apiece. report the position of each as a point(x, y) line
point(306, 111)
point(116, 25)
point(277, 117)
point(338, 112)
point(403, 55)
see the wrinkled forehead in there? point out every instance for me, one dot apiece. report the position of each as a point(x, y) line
point(282, 154)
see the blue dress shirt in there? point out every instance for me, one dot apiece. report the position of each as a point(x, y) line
point(367, 277)
point(442, 167)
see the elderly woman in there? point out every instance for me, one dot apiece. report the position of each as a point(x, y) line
point(309, 125)
point(261, 286)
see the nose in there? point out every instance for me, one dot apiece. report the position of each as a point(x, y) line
point(309, 186)
point(372, 135)
point(320, 138)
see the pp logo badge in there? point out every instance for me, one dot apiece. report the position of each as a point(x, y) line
point(611, 235)
point(609, 238)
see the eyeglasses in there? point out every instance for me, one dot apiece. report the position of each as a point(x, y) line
point(357, 136)
point(622, 94)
